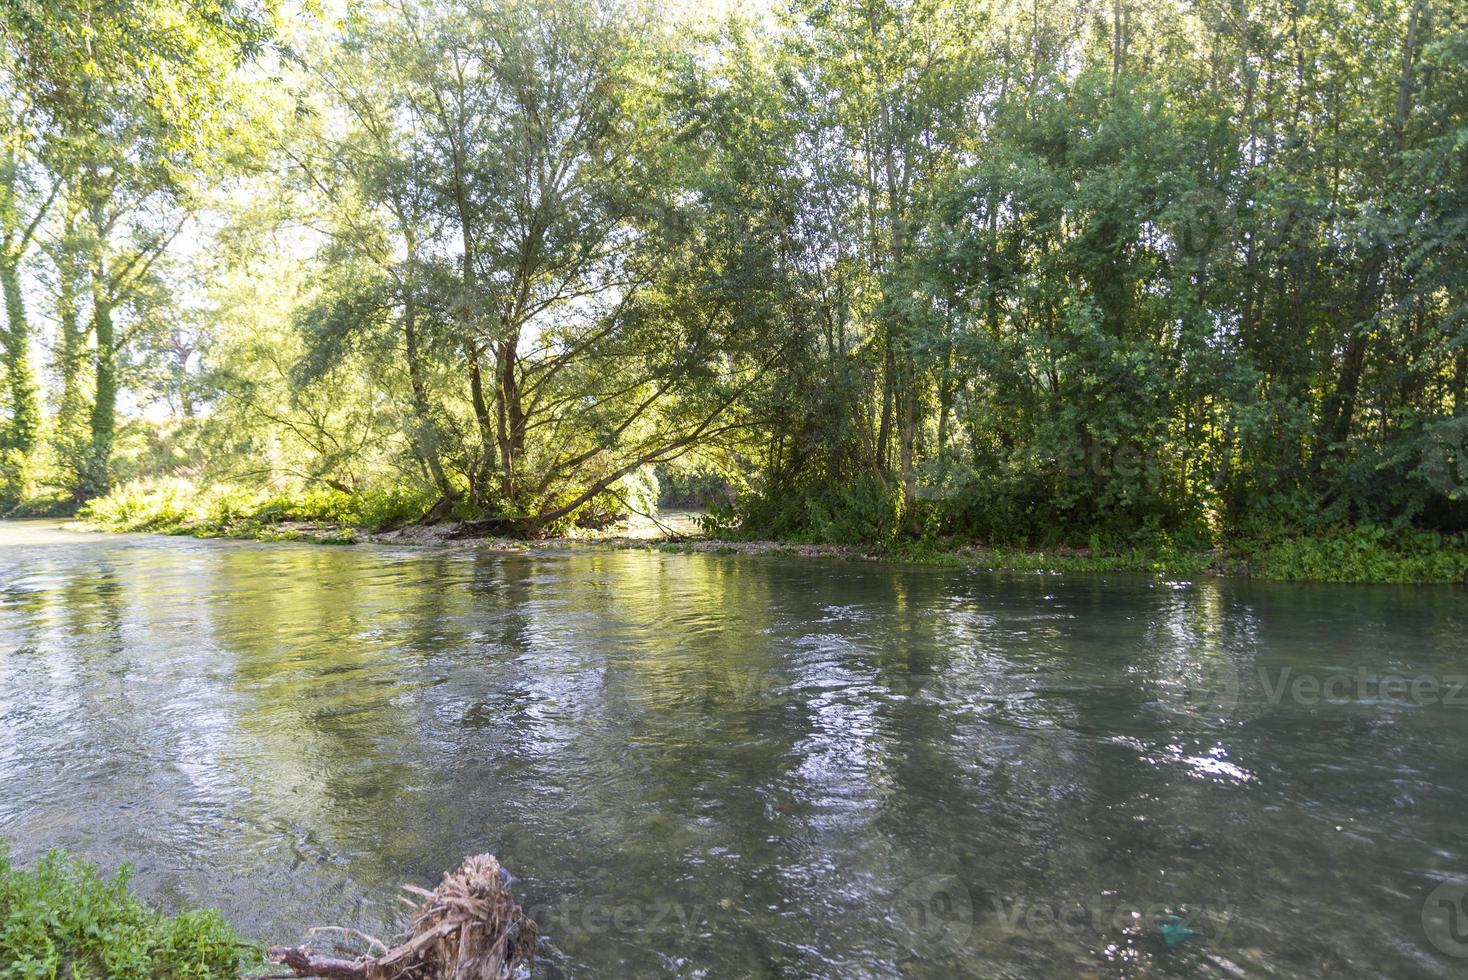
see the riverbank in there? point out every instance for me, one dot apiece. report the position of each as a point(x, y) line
point(1345, 559)
point(1351, 555)
point(63, 918)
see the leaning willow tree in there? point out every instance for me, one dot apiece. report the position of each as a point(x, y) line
point(512, 222)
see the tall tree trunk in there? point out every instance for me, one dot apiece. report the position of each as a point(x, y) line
point(479, 482)
point(1340, 407)
point(900, 343)
point(72, 410)
point(1118, 45)
point(425, 439)
point(510, 413)
point(1460, 382)
point(473, 350)
point(888, 384)
point(97, 479)
point(24, 394)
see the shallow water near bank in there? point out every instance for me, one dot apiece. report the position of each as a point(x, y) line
point(704, 765)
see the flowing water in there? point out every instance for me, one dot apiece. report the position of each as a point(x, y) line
point(714, 766)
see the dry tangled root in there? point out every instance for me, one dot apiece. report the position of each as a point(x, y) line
point(468, 928)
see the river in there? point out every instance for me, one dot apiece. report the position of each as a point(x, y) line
point(728, 766)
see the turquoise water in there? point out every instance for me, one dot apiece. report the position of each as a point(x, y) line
point(728, 766)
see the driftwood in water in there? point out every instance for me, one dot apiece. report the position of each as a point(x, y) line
point(468, 928)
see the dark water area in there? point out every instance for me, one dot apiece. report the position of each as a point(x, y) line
point(712, 766)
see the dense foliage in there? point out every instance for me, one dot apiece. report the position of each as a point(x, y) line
point(1161, 274)
point(63, 920)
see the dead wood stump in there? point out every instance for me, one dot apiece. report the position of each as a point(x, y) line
point(468, 928)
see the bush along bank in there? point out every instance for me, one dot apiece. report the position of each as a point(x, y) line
point(1349, 553)
point(65, 920)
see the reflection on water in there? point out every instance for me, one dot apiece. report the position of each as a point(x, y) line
point(700, 765)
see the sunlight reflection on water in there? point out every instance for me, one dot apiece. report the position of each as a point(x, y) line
point(740, 766)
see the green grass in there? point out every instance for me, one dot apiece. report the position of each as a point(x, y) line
point(1360, 554)
point(1349, 555)
point(65, 921)
point(1353, 554)
point(322, 515)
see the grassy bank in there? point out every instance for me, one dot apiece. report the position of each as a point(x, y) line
point(323, 515)
point(1355, 555)
point(1348, 554)
point(63, 919)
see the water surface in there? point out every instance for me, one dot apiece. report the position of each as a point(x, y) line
point(727, 766)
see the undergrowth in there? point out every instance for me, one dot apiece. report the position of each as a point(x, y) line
point(65, 921)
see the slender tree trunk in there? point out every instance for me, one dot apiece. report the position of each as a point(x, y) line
point(1340, 408)
point(425, 440)
point(72, 410)
point(945, 402)
point(104, 406)
point(485, 421)
point(1118, 45)
point(510, 414)
point(899, 343)
point(907, 447)
point(479, 481)
point(1460, 382)
point(1406, 81)
point(25, 399)
point(889, 382)
point(97, 478)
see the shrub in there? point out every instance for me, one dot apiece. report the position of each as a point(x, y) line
point(65, 920)
point(1367, 553)
point(174, 505)
point(373, 508)
point(142, 506)
point(864, 511)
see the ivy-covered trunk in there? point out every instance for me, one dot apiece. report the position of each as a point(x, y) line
point(18, 440)
point(97, 479)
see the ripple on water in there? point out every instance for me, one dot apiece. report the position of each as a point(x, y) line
point(711, 766)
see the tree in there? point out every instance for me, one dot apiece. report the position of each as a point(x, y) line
point(130, 100)
point(24, 204)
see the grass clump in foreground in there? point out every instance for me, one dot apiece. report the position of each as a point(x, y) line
point(64, 920)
